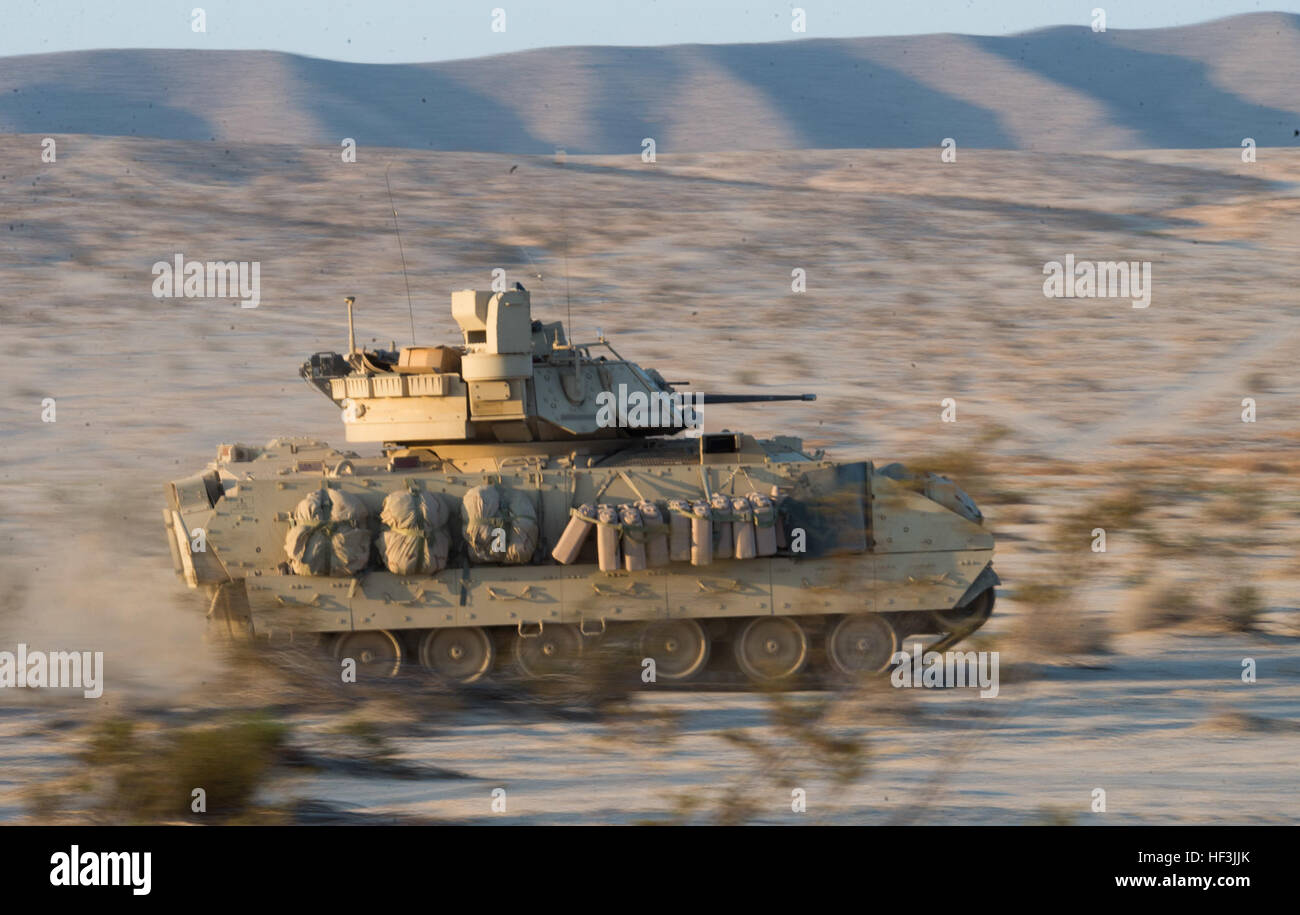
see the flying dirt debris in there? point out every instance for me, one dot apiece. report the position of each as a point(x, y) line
point(534, 495)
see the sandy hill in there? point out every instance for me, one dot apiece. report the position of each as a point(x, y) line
point(1064, 88)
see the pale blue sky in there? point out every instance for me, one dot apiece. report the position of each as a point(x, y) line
point(393, 31)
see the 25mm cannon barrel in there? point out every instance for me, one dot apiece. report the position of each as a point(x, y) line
point(754, 398)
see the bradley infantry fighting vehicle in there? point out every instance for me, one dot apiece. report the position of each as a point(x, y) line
point(534, 495)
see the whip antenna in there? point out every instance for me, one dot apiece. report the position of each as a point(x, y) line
point(541, 279)
point(568, 301)
point(398, 229)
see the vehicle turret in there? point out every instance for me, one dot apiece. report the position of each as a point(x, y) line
point(511, 380)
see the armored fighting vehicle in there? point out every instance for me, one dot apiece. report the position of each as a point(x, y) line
point(531, 495)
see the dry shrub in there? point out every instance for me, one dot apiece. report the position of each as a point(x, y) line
point(1121, 510)
point(1161, 605)
point(1261, 382)
point(1164, 606)
point(1054, 625)
point(1263, 466)
point(149, 778)
point(803, 746)
point(1056, 816)
point(1231, 721)
point(1014, 514)
point(1243, 503)
point(1242, 608)
point(806, 742)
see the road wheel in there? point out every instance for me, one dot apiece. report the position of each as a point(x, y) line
point(771, 648)
point(460, 655)
point(679, 647)
point(553, 651)
point(377, 652)
point(861, 644)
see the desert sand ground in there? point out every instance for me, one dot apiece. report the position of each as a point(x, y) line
point(1121, 670)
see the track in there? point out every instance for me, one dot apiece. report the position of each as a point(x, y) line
point(617, 658)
